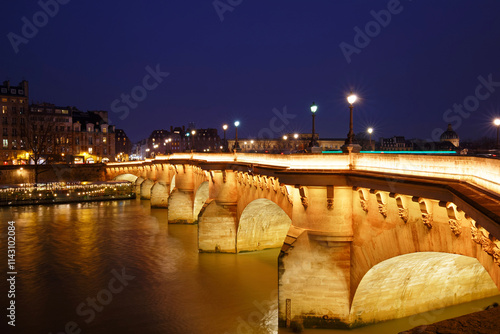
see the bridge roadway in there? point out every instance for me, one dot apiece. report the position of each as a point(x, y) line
point(364, 237)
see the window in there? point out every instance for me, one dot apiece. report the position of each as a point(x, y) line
point(64, 111)
point(14, 121)
point(5, 133)
point(14, 132)
point(90, 150)
point(104, 130)
point(20, 92)
point(104, 139)
point(4, 99)
point(4, 120)
point(105, 151)
point(5, 142)
point(21, 110)
point(4, 109)
point(14, 109)
point(77, 141)
point(13, 91)
point(90, 141)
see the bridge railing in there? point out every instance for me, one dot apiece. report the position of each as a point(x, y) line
point(482, 172)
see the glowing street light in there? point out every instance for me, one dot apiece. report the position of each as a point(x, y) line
point(224, 127)
point(314, 108)
point(370, 131)
point(497, 124)
point(236, 144)
point(351, 99)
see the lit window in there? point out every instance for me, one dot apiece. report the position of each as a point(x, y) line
point(5, 143)
point(4, 99)
point(4, 109)
point(103, 139)
point(90, 150)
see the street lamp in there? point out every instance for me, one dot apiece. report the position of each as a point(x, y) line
point(285, 137)
point(370, 131)
point(236, 144)
point(193, 132)
point(224, 127)
point(314, 107)
point(497, 124)
point(349, 142)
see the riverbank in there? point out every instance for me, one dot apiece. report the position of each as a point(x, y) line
point(482, 322)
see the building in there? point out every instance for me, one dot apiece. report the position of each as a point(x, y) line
point(123, 146)
point(289, 143)
point(47, 132)
point(396, 143)
point(14, 107)
point(450, 136)
point(94, 138)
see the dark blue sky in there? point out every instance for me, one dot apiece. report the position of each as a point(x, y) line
point(263, 55)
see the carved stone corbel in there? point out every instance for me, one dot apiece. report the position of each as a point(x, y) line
point(425, 209)
point(382, 203)
point(453, 218)
point(363, 198)
point(304, 196)
point(403, 211)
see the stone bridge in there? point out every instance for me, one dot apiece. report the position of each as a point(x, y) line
point(364, 237)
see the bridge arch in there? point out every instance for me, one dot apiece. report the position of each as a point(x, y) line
point(418, 282)
point(201, 196)
point(126, 177)
point(262, 224)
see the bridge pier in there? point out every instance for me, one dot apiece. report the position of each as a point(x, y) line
point(314, 276)
point(218, 221)
point(146, 189)
point(159, 195)
point(181, 199)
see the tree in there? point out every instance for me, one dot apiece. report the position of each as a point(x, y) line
point(37, 134)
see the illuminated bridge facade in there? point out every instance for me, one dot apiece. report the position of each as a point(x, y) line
point(364, 237)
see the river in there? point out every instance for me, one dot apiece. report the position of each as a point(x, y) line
point(118, 267)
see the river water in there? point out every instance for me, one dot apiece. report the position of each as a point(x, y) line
point(118, 267)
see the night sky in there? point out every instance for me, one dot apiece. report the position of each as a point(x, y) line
point(244, 59)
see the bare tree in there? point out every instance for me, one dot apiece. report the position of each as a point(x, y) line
point(37, 134)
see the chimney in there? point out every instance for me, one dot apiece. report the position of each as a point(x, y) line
point(171, 128)
point(25, 86)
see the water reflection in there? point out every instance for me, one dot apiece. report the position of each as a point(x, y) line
point(66, 254)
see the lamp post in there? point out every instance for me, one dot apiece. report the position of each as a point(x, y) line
point(224, 127)
point(370, 131)
point(314, 108)
point(349, 145)
point(285, 144)
point(193, 132)
point(236, 144)
point(497, 124)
